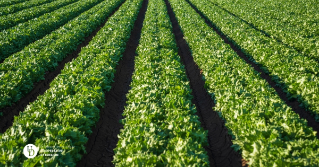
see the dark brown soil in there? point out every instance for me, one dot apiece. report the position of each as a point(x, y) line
point(219, 150)
point(293, 103)
point(105, 135)
point(244, 163)
point(40, 87)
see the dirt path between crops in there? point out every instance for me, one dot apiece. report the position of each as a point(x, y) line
point(294, 104)
point(219, 151)
point(40, 87)
point(105, 135)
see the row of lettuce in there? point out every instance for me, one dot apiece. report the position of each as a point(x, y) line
point(302, 15)
point(300, 11)
point(10, 20)
point(159, 117)
point(160, 125)
point(297, 75)
point(20, 6)
point(20, 70)
point(293, 22)
point(19, 36)
point(4, 3)
point(64, 115)
point(265, 130)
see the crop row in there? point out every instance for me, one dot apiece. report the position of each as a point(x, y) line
point(22, 69)
point(265, 130)
point(64, 115)
point(20, 6)
point(296, 74)
point(160, 125)
point(303, 35)
point(298, 15)
point(10, 2)
point(11, 20)
point(301, 14)
point(15, 38)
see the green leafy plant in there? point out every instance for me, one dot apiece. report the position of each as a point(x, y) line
point(160, 125)
point(17, 37)
point(296, 74)
point(293, 22)
point(14, 19)
point(64, 114)
point(11, 2)
point(264, 129)
point(20, 6)
point(22, 69)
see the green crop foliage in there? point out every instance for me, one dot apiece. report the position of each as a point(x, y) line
point(296, 74)
point(19, 71)
point(17, 37)
point(64, 115)
point(14, 19)
point(293, 22)
point(5, 3)
point(264, 129)
point(160, 125)
point(20, 6)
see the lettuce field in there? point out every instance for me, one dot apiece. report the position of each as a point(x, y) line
point(159, 83)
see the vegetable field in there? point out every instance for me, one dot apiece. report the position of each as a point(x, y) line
point(159, 83)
